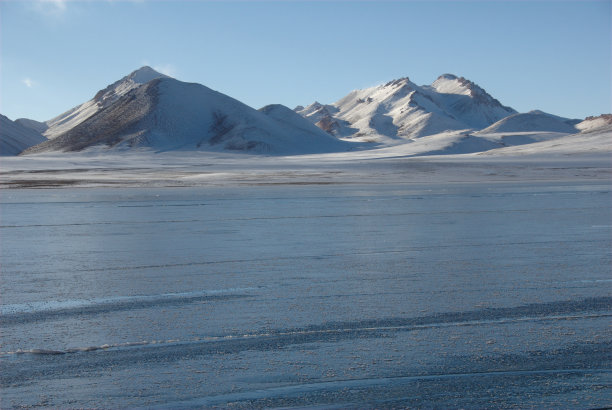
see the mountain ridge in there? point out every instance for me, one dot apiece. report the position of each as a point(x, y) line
point(400, 109)
point(149, 109)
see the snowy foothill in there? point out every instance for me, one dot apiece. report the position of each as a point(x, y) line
point(567, 158)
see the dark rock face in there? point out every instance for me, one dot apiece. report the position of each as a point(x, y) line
point(605, 117)
point(110, 126)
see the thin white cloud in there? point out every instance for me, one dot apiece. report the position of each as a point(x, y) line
point(28, 82)
point(51, 10)
point(51, 6)
point(58, 4)
point(168, 69)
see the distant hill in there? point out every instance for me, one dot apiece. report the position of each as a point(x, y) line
point(594, 136)
point(533, 121)
point(15, 138)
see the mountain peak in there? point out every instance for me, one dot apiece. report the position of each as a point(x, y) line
point(448, 77)
point(399, 81)
point(451, 84)
point(103, 98)
point(145, 74)
point(134, 79)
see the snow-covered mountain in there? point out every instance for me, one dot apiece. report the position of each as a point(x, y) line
point(147, 109)
point(400, 110)
point(14, 137)
point(468, 102)
point(533, 121)
point(103, 99)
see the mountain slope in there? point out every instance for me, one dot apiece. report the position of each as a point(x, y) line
point(14, 137)
point(104, 98)
point(400, 110)
point(167, 114)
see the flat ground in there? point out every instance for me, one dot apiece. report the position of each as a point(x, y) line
point(189, 169)
point(206, 280)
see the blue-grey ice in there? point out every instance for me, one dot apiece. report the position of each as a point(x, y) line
point(349, 294)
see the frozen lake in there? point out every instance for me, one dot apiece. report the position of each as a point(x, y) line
point(437, 295)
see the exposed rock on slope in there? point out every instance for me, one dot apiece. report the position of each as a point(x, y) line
point(603, 121)
point(103, 99)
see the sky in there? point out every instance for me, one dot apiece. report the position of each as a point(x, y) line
point(549, 55)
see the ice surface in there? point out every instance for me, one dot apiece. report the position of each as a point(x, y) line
point(371, 281)
point(36, 307)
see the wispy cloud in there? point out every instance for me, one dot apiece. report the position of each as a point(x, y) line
point(58, 4)
point(57, 8)
point(168, 69)
point(50, 7)
point(28, 82)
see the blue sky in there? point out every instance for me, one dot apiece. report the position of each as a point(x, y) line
point(548, 55)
